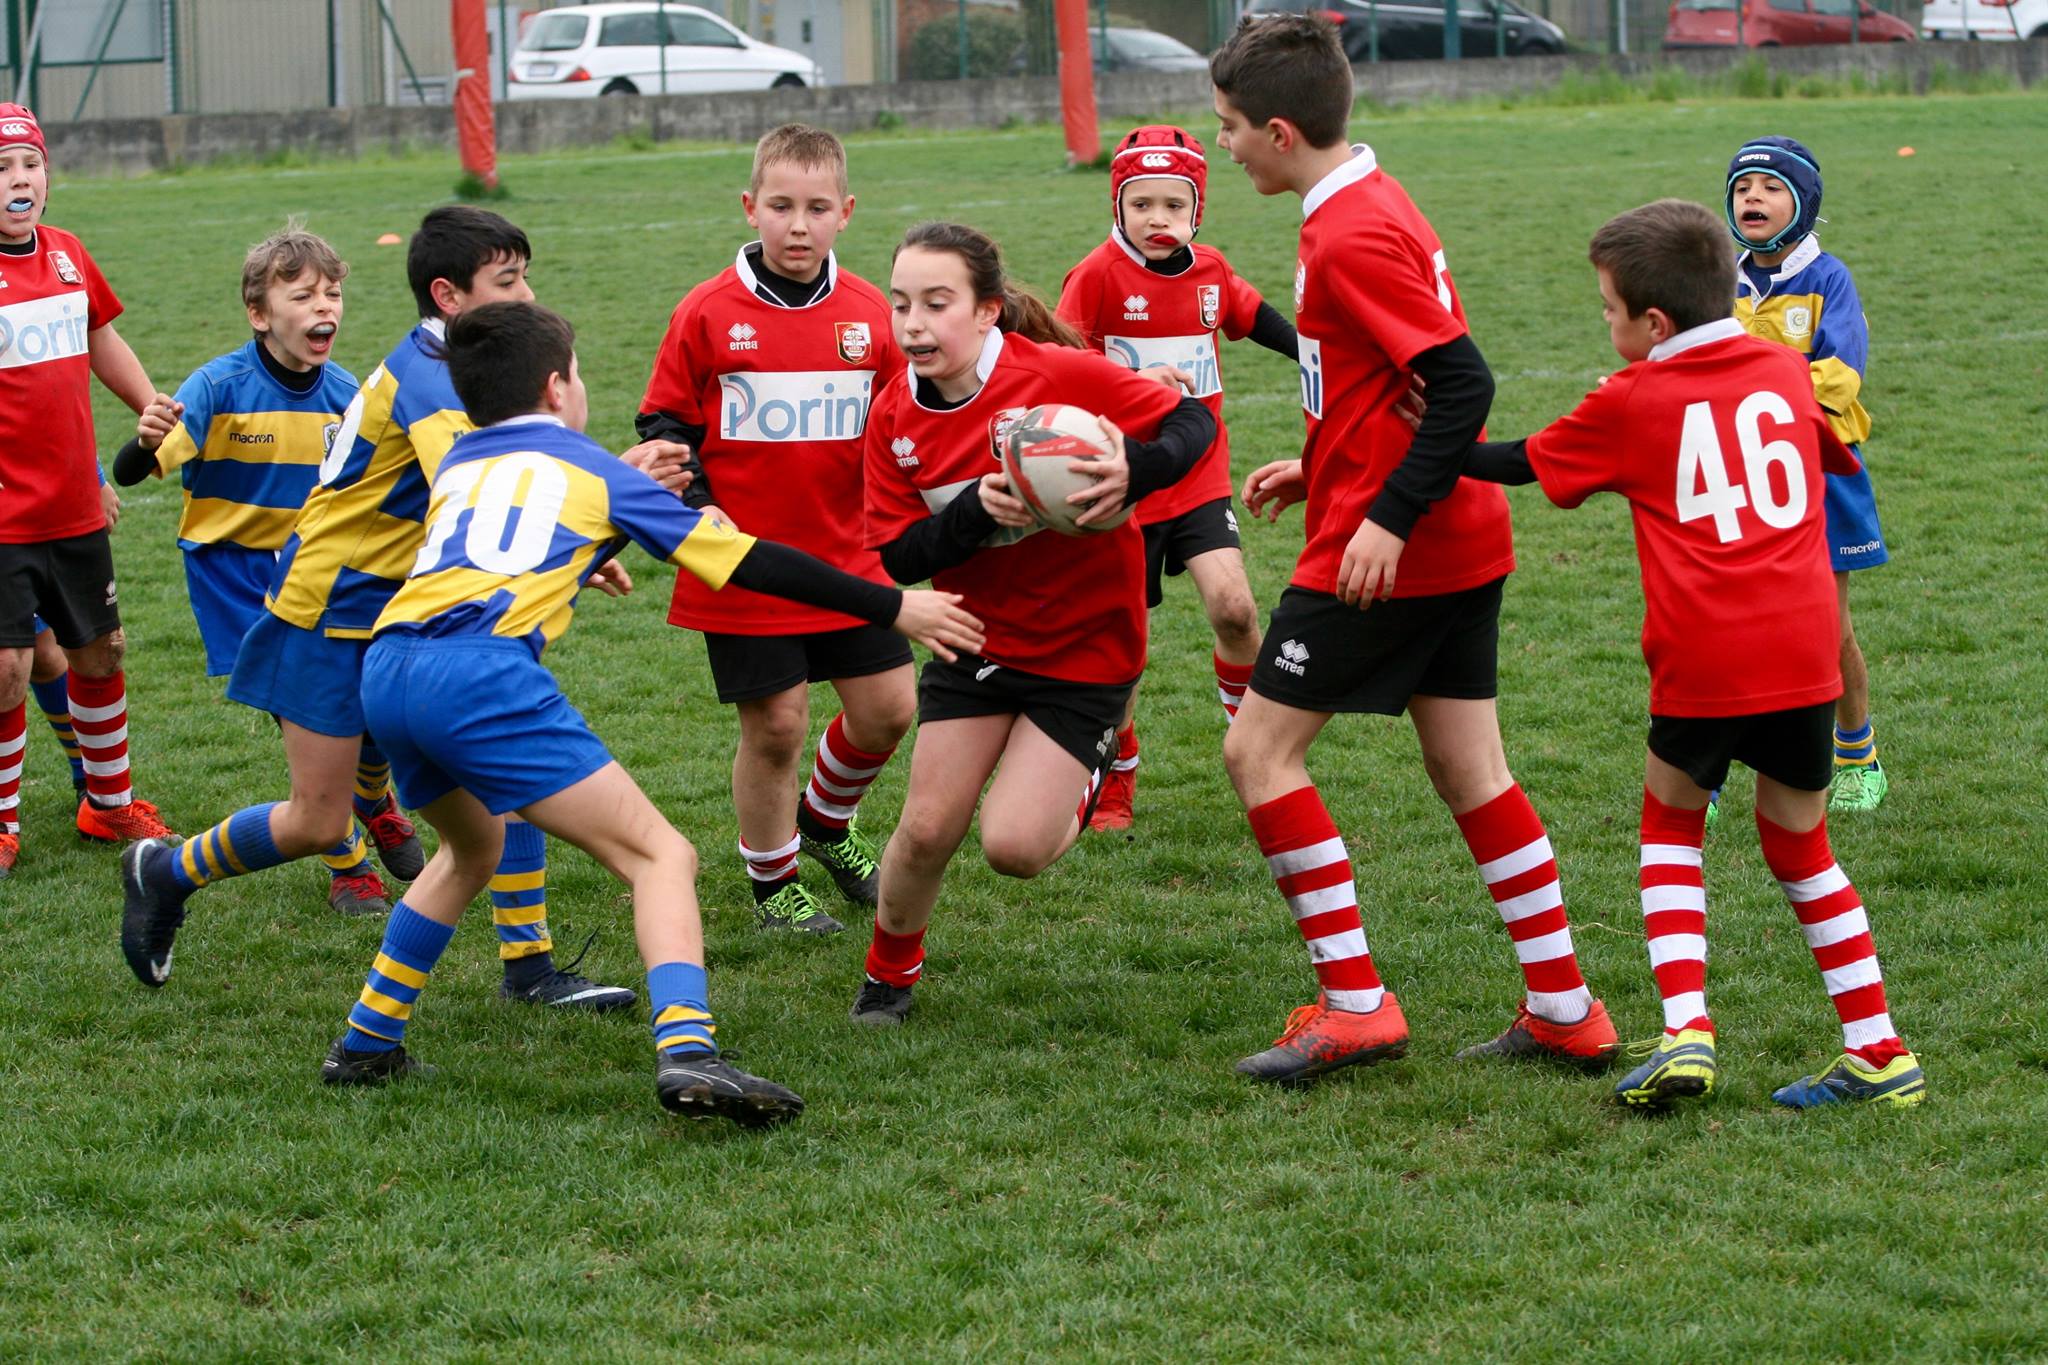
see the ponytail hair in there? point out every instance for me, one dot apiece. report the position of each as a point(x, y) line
point(1023, 312)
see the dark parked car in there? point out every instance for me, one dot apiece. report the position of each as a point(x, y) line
point(1142, 49)
point(1415, 28)
point(1780, 23)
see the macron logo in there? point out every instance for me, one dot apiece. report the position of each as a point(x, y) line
point(742, 334)
point(902, 448)
point(1134, 308)
point(1293, 657)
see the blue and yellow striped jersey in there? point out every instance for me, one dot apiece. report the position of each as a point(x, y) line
point(249, 450)
point(522, 511)
point(1810, 304)
point(360, 528)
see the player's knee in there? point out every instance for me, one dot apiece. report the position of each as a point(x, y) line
point(882, 724)
point(924, 842)
point(776, 734)
point(102, 658)
point(300, 830)
point(1244, 758)
point(1465, 784)
point(14, 674)
point(1016, 853)
point(1235, 619)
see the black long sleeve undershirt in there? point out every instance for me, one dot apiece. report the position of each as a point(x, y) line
point(1500, 462)
point(133, 464)
point(666, 426)
point(1184, 434)
point(785, 571)
point(1459, 393)
point(1275, 332)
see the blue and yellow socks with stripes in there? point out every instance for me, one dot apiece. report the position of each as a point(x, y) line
point(1856, 748)
point(349, 858)
point(519, 904)
point(676, 996)
point(373, 781)
point(238, 845)
point(54, 698)
point(412, 945)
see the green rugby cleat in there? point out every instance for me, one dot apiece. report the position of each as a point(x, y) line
point(795, 908)
point(1857, 787)
point(1680, 1067)
point(1851, 1080)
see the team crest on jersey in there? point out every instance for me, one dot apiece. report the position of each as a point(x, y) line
point(66, 271)
point(999, 428)
point(854, 341)
point(1798, 322)
point(1300, 283)
point(327, 435)
point(1210, 298)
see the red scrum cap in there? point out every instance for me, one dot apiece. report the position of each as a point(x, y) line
point(1158, 149)
point(18, 128)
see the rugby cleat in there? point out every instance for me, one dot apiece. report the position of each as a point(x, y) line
point(396, 841)
point(1678, 1066)
point(152, 911)
point(342, 1066)
point(849, 858)
point(119, 824)
point(1318, 1040)
point(10, 850)
point(565, 990)
point(1857, 787)
point(795, 908)
point(1115, 799)
point(1851, 1080)
point(880, 1003)
point(705, 1085)
point(1590, 1044)
point(357, 893)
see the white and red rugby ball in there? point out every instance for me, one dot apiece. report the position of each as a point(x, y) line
point(1037, 449)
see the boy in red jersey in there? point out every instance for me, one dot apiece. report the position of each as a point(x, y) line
point(766, 373)
point(56, 335)
point(1739, 628)
point(1375, 307)
point(1148, 296)
point(1063, 616)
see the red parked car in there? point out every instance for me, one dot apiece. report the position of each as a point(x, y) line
point(1780, 23)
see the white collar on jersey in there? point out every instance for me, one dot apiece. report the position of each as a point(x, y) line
point(1362, 164)
point(528, 417)
point(1705, 334)
point(1116, 234)
point(829, 278)
point(984, 366)
point(1803, 255)
point(437, 328)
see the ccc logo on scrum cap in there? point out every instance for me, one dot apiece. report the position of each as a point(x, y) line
point(1155, 160)
point(16, 129)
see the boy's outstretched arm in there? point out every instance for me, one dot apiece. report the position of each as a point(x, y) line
point(1500, 462)
point(1274, 332)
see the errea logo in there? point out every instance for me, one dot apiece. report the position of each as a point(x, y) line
point(742, 334)
point(1134, 308)
point(903, 448)
point(1293, 658)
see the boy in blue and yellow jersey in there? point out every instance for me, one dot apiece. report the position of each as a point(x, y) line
point(302, 661)
point(523, 512)
point(246, 435)
point(1789, 290)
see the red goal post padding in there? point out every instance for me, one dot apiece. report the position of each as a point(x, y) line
point(475, 132)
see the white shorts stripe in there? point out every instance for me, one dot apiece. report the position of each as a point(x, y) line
point(1302, 859)
point(1862, 972)
point(1843, 926)
point(1657, 898)
point(1677, 948)
point(1864, 1032)
point(1337, 947)
point(1521, 860)
point(1813, 888)
point(1547, 897)
point(1544, 947)
point(1342, 896)
point(1679, 855)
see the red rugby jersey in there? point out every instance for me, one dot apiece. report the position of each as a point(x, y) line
point(1069, 607)
point(1372, 292)
point(1138, 317)
point(1718, 445)
point(50, 300)
point(783, 394)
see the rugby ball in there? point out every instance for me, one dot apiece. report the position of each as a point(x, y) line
point(1037, 449)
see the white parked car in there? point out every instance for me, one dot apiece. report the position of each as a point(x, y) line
point(1991, 20)
point(582, 51)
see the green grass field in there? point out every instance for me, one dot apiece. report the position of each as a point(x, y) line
point(1053, 1159)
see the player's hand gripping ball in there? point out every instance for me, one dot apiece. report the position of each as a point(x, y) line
point(1038, 452)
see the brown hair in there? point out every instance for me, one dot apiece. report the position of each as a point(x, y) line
point(1671, 255)
point(282, 256)
point(1023, 311)
point(1287, 66)
point(811, 149)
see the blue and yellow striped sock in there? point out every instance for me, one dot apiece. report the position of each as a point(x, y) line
point(54, 697)
point(1856, 748)
point(348, 858)
point(238, 845)
point(519, 893)
point(373, 781)
point(676, 993)
point(412, 945)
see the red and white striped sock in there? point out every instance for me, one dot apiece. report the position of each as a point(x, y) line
point(1126, 760)
point(1675, 911)
point(1231, 681)
point(840, 776)
point(896, 959)
point(1308, 861)
point(13, 746)
point(770, 868)
point(1831, 916)
point(99, 717)
point(1515, 859)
